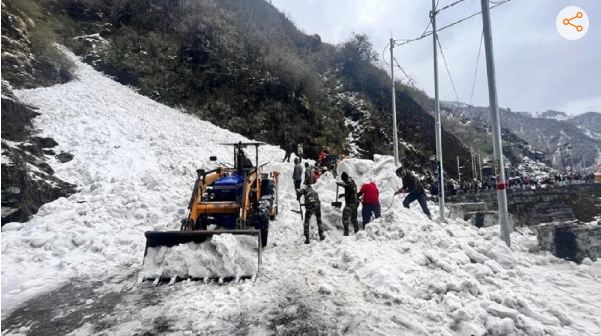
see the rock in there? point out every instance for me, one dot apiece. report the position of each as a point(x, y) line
point(64, 157)
point(45, 142)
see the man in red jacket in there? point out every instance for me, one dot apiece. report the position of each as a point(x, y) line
point(371, 201)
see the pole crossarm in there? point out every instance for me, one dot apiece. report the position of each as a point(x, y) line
point(428, 33)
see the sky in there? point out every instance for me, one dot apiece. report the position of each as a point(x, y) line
point(536, 68)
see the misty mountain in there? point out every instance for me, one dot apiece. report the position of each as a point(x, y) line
point(573, 141)
point(589, 123)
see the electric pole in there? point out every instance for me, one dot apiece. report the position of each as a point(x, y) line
point(458, 170)
point(570, 159)
point(501, 184)
point(563, 161)
point(473, 166)
point(480, 166)
point(395, 144)
point(438, 128)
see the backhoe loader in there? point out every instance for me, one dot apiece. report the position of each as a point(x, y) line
point(239, 201)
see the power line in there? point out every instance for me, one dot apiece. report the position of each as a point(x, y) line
point(409, 79)
point(476, 71)
point(446, 65)
point(449, 6)
point(422, 34)
point(449, 25)
point(427, 33)
point(383, 50)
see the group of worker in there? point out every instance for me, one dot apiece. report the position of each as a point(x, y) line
point(368, 195)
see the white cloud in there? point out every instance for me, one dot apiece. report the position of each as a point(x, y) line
point(582, 105)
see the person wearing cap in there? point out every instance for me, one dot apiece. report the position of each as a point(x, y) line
point(370, 201)
point(349, 213)
point(415, 189)
point(312, 207)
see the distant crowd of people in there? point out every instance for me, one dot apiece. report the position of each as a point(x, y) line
point(454, 187)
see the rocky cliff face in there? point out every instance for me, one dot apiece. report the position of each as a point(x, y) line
point(589, 123)
point(29, 58)
point(28, 181)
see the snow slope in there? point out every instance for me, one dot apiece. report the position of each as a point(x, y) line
point(405, 275)
point(135, 162)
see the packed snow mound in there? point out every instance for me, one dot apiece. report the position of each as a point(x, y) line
point(223, 256)
point(468, 280)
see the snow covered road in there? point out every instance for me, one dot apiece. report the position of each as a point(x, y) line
point(135, 161)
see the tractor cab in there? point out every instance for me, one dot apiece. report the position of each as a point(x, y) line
point(238, 197)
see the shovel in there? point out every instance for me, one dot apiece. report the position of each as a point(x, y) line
point(337, 204)
point(300, 209)
point(391, 203)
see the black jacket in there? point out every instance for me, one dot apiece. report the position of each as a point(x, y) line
point(350, 191)
point(411, 183)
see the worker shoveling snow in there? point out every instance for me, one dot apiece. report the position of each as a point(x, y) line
point(224, 256)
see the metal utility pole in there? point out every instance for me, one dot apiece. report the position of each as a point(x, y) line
point(563, 161)
point(480, 166)
point(438, 129)
point(570, 159)
point(458, 170)
point(473, 165)
point(395, 145)
point(501, 184)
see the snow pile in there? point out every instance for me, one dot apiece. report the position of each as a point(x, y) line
point(222, 256)
point(469, 281)
point(134, 163)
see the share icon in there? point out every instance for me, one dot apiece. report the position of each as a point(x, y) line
point(567, 21)
point(572, 23)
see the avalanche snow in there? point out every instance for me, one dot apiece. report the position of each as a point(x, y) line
point(135, 161)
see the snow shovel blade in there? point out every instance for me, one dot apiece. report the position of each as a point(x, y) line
point(337, 204)
point(155, 240)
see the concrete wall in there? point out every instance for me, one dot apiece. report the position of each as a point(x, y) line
point(571, 241)
point(532, 207)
